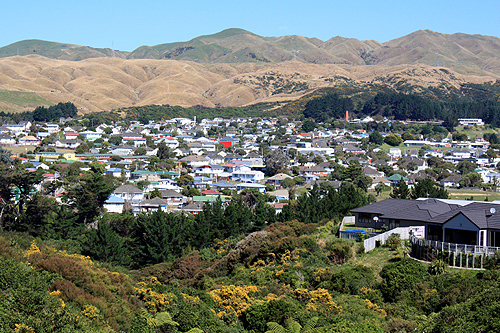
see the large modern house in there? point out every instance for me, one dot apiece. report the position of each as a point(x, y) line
point(451, 221)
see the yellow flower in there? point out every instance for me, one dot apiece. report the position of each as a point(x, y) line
point(22, 328)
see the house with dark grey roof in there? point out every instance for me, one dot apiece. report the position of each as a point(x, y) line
point(451, 221)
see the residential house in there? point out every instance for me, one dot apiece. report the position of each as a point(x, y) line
point(194, 160)
point(451, 181)
point(245, 174)
point(130, 193)
point(451, 221)
point(6, 139)
point(277, 179)
point(114, 204)
point(29, 140)
point(154, 204)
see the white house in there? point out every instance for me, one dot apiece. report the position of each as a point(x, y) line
point(114, 204)
point(245, 174)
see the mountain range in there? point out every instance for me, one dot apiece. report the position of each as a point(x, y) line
point(235, 67)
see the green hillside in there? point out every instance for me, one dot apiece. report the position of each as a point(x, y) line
point(10, 101)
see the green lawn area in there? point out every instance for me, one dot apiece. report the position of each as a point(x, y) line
point(476, 194)
point(16, 99)
point(376, 259)
point(474, 131)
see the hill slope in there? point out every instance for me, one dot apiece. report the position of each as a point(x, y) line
point(466, 54)
point(108, 83)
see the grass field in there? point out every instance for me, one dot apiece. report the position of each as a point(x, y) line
point(10, 101)
point(477, 195)
point(474, 131)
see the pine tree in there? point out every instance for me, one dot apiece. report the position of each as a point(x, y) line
point(400, 191)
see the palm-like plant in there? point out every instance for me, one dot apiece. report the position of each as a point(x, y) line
point(162, 318)
point(293, 326)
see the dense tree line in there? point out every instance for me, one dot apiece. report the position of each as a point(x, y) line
point(329, 106)
point(54, 112)
point(402, 107)
point(42, 113)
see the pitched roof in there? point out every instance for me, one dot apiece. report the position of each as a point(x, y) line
point(154, 202)
point(479, 213)
point(127, 188)
point(384, 206)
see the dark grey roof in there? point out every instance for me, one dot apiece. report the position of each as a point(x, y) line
point(422, 210)
point(127, 188)
point(384, 206)
point(170, 194)
point(478, 213)
point(153, 202)
point(402, 209)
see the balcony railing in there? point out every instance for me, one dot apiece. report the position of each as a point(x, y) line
point(455, 248)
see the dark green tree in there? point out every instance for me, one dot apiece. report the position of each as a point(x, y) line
point(308, 125)
point(105, 244)
point(400, 191)
point(275, 160)
point(88, 195)
point(465, 167)
point(401, 276)
point(427, 188)
point(376, 138)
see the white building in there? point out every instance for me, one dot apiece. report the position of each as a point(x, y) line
point(470, 121)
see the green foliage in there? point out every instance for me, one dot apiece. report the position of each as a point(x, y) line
point(393, 140)
point(308, 126)
point(376, 138)
point(393, 241)
point(400, 276)
point(350, 279)
point(258, 314)
point(477, 314)
point(88, 196)
point(437, 267)
point(329, 106)
point(427, 188)
point(61, 110)
point(275, 160)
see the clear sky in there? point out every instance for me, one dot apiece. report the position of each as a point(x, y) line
point(128, 24)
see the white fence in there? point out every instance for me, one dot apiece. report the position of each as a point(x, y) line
point(379, 240)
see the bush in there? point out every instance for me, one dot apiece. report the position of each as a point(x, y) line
point(393, 242)
point(339, 251)
point(351, 279)
point(400, 276)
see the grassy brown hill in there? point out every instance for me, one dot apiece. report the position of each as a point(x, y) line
point(108, 83)
point(466, 54)
point(463, 53)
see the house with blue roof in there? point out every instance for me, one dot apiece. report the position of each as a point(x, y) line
point(114, 204)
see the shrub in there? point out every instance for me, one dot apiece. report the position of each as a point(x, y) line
point(393, 242)
point(339, 251)
point(400, 276)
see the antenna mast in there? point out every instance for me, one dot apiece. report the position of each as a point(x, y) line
point(437, 59)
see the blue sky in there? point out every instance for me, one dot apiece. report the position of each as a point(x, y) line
point(129, 24)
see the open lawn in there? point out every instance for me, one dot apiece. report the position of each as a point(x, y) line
point(376, 259)
point(474, 131)
point(15, 101)
point(473, 194)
